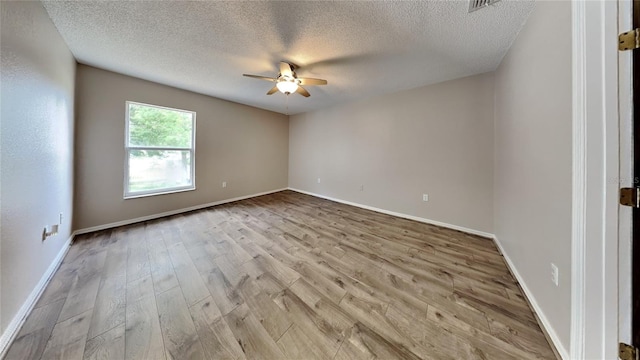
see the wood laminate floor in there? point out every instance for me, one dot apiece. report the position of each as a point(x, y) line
point(282, 276)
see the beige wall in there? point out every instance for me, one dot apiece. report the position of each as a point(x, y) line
point(436, 140)
point(37, 89)
point(244, 146)
point(533, 159)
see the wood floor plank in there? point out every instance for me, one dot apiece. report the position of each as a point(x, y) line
point(203, 252)
point(272, 318)
point(321, 266)
point(59, 285)
point(178, 331)
point(363, 343)
point(89, 244)
point(84, 288)
point(171, 232)
point(160, 266)
point(327, 337)
point(68, 339)
point(138, 255)
point(143, 337)
point(193, 288)
point(234, 251)
point(269, 284)
point(109, 309)
point(282, 276)
point(527, 338)
point(251, 336)
point(296, 345)
point(282, 273)
point(35, 333)
point(374, 317)
point(331, 312)
point(519, 349)
point(490, 308)
point(417, 297)
point(217, 339)
point(224, 294)
point(109, 345)
point(306, 270)
point(436, 341)
point(137, 289)
point(232, 273)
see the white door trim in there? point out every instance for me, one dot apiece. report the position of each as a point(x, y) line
point(625, 83)
point(594, 278)
point(578, 216)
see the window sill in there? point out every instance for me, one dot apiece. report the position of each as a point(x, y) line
point(155, 193)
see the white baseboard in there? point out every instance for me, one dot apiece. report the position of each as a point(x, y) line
point(406, 216)
point(15, 325)
point(169, 213)
point(532, 300)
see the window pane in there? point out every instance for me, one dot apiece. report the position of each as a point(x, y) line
point(152, 126)
point(157, 170)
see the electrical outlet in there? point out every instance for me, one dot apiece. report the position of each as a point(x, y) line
point(49, 231)
point(554, 274)
point(318, 180)
point(361, 187)
point(425, 197)
point(224, 184)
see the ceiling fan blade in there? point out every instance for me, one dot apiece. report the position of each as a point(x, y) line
point(302, 91)
point(272, 91)
point(312, 81)
point(259, 77)
point(285, 69)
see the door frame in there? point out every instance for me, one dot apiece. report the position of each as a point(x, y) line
point(596, 161)
point(627, 179)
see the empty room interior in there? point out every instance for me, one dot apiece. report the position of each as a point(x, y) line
point(292, 180)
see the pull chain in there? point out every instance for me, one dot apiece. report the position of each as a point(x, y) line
point(287, 102)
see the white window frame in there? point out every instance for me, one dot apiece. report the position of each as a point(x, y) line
point(127, 148)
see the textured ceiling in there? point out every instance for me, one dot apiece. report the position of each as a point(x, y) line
point(362, 48)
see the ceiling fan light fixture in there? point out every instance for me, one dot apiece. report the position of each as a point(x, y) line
point(287, 82)
point(287, 86)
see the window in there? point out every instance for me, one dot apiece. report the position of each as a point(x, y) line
point(160, 150)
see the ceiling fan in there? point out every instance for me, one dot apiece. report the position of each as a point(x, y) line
point(288, 82)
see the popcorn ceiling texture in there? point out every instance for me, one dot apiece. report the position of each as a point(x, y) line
point(362, 48)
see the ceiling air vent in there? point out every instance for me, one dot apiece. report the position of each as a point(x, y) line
point(479, 4)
